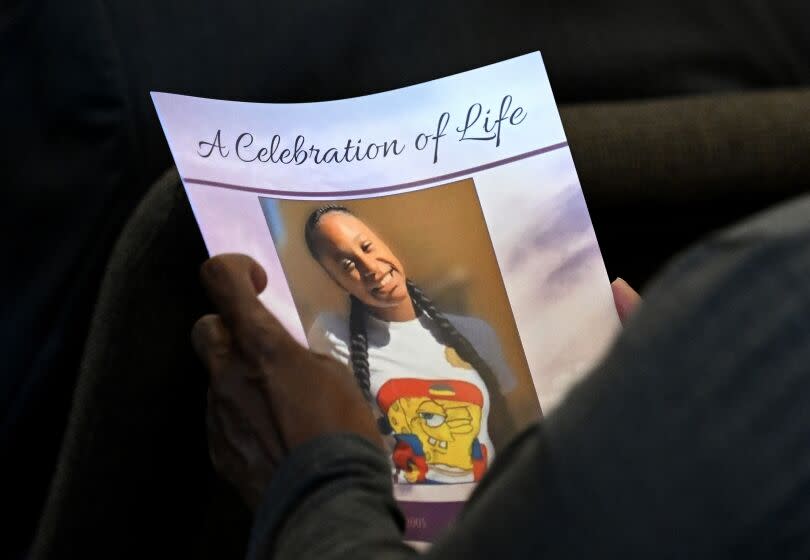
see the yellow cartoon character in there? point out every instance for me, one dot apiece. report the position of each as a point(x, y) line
point(436, 426)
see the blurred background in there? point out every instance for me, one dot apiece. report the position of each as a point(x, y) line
point(682, 116)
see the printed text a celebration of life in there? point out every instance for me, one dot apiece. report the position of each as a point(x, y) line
point(480, 125)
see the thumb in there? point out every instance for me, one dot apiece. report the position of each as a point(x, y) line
point(625, 298)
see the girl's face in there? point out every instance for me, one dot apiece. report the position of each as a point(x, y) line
point(359, 261)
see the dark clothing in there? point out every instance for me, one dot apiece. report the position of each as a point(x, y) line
point(690, 439)
point(83, 142)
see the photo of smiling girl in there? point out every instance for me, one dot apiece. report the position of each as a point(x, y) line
point(407, 291)
point(436, 380)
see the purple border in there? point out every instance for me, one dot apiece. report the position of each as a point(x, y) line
point(376, 190)
point(426, 521)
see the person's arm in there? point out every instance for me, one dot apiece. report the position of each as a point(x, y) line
point(332, 499)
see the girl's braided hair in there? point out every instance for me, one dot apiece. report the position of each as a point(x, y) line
point(442, 329)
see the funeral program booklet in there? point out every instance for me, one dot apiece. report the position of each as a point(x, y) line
point(433, 238)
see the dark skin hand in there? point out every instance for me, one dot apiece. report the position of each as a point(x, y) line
point(268, 394)
point(625, 298)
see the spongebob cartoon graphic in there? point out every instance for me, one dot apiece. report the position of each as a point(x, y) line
point(436, 425)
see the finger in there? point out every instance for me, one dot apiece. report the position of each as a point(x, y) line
point(236, 453)
point(232, 282)
point(625, 298)
point(241, 400)
point(211, 341)
point(223, 454)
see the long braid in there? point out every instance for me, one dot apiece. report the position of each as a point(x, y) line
point(358, 341)
point(447, 334)
point(358, 346)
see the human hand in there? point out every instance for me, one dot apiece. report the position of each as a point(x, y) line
point(267, 394)
point(625, 298)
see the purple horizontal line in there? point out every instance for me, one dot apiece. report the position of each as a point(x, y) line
point(377, 190)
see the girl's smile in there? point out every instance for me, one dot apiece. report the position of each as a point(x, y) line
point(384, 281)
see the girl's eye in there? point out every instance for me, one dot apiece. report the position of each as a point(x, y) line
point(366, 246)
point(348, 265)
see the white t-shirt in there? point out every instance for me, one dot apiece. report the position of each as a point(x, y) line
point(435, 404)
